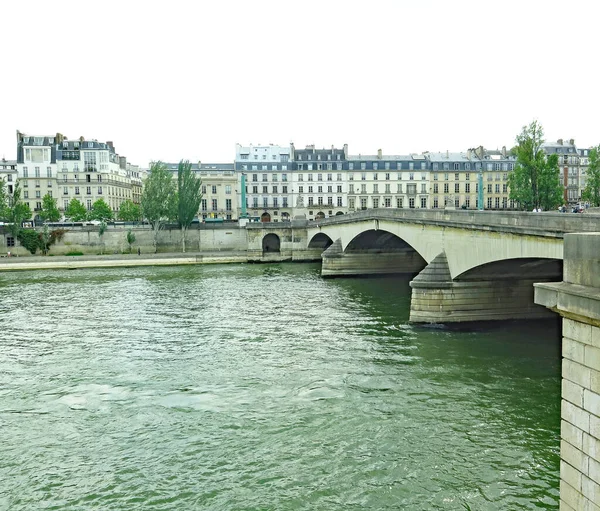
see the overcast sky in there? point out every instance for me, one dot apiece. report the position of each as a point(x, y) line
point(188, 79)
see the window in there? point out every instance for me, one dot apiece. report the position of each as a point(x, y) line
point(275, 202)
point(375, 202)
point(284, 177)
point(329, 177)
point(99, 190)
point(310, 177)
point(274, 177)
point(310, 201)
point(363, 176)
point(49, 171)
point(77, 190)
point(411, 176)
point(399, 202)
point(37, 183)
point(375, 188)
point(26, 194)
point(339, 177)
point(351, 189)
point(214, 204)
point(424, 202)
point(363, 203)
point(301, 189)
point(214, 189)
point(399, 186)
point(446, 187)
point(25, 172)
point(228, 189)
point(65, 190)
point(204, 205)
point(387, 202)
point(254, 178)
point(284, 189)
point(320, 177)
point(37, 172)
point(264, 177)
point(456, 187)
point(375, 167)
point(275, 189)
point(435, 188)
point(88, 190)
point(363, 166)
point(411, 203)
point(489, 189)
point(363, 188)
point(339, 202)
point(265, 189)
point(255, 189)
point(285, 202)
point(350, 203)
point(467, 187)
point(89, 204)
point(375, 176)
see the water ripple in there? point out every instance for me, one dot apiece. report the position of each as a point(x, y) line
point(264, 387)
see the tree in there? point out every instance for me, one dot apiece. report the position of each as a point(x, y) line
point(101, 230)
point(130, 239)
point(100, 211)
point(33, 240)
point(535, 180)
point(591, 193)
point(3, 200)
point(50, 212)
point(76, 211)
point(18, 211)
point(189, 195)
point(159, 198)
point(129, 211)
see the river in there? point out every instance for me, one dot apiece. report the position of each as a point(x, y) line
point(265, 387)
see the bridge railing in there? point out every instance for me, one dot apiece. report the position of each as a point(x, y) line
point(545, 223)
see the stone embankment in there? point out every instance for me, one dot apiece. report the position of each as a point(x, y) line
point(118, 260)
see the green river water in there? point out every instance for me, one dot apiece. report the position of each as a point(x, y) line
point(255, 387)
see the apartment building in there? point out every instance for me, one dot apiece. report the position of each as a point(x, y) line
point(65, 169)
point(8, 172)
point(267, 170)
point(397, 181)
point(219, 189)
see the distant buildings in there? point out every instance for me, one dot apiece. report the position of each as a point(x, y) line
point(65, 169)
point(280, 182)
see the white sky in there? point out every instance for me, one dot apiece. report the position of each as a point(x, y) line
point(188, 79)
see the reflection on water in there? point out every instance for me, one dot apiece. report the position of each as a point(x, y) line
point(265, 387)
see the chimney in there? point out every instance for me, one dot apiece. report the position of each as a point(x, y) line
point(345, 150)
point(503, 151)
point(572, 141)
point(109, 143)
point(379, 153)
point(559, 141)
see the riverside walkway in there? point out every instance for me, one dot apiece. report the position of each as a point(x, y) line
point(50, 262)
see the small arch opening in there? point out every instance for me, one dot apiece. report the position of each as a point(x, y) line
point(265, 217)
point(321, 241)
point(271, 244)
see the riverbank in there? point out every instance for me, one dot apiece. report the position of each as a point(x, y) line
point(119, 260)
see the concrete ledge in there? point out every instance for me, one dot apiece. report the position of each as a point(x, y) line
point(570, 300)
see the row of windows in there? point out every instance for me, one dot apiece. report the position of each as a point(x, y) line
point(410, 188)
point(386, 202)
point(213, 189)
point(215, 205)
point(284, 202)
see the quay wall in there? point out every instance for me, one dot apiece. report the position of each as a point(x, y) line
point(213, 238)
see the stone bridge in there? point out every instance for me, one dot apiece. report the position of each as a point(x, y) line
point(468, 265)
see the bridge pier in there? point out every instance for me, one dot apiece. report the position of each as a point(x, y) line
point(437, 298)
point(337, 263)
point(577, 300)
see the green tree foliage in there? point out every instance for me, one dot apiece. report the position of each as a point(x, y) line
point(76, 211)
point(159, 198)
point(535, 180)
point(101, 230)
point(130, 211)
point(33, 240)
point(100, 211)
point(3, 200)
point(130, 239)
point(189, 197)
point(18, 211)
point(591, 193)
point(50, 212)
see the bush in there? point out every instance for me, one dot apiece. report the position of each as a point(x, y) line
point(74, 253)
point(33, 240)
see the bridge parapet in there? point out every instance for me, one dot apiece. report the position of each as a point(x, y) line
point(548, 224)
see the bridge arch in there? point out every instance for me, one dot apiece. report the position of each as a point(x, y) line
point(537, 268)
point(320, 240)
point(377, 240)
point(271, 244)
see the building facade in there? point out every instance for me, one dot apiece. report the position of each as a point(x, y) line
point(219, 189)
point(8, 172)
point(86, 170)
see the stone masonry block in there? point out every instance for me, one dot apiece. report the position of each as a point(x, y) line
point(571, 434)
point(574, 457)
point(592, 357)
point(575, 415)
point(571, 496)
point(590, 489)
point(593, 470)
point(594, 427)
point(576, 330)
point(591, 402)
point(591, 446)
point(570, 475)
point(573, 393)
point(573, 350)
point(596, 336)
point(576, 373)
